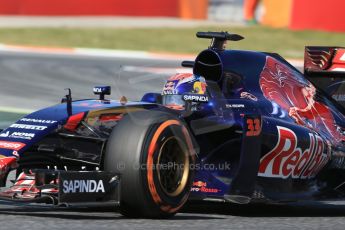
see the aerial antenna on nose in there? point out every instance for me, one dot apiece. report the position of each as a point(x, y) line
point(68, 100)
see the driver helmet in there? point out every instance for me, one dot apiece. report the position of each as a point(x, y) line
point(179, 85)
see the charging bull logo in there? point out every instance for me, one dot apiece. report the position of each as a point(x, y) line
point(199, 87)
point(287, 88)
point(286, 159)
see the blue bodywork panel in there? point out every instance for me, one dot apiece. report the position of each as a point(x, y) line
point(34, 127)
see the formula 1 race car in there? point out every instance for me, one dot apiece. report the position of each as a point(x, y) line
point(244, 127)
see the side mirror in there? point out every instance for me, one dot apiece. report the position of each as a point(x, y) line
point(152, 98)
point(68, 100)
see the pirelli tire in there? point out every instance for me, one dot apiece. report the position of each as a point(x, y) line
point(153, 151)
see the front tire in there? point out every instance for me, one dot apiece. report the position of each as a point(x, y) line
point(153, 152)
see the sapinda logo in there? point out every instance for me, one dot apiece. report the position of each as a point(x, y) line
point(286, 159)
point(83, 186)
point(11, 145)
point(195, 98)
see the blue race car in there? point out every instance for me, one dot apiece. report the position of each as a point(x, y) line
point(244, 127)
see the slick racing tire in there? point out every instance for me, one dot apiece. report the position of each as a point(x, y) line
point(153, 152)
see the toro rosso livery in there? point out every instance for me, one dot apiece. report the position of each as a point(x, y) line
point(244, 127)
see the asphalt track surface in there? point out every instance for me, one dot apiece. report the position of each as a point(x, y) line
point(31, 81)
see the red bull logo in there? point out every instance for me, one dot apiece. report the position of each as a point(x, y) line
point(287, 159)
point(199, 87)
point(199, 184)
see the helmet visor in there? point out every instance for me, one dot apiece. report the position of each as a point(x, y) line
point(173, 101)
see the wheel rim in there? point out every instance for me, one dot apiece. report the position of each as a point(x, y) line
point(173, 166)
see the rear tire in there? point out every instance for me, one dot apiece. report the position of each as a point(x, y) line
point(153, 152)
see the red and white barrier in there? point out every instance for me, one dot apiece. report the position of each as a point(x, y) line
point(90, 7)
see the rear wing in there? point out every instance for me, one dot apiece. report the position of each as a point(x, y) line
point(325, 68)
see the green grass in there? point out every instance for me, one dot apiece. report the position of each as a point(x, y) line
point(288, 43)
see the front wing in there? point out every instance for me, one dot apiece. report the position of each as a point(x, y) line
point(64, 188)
